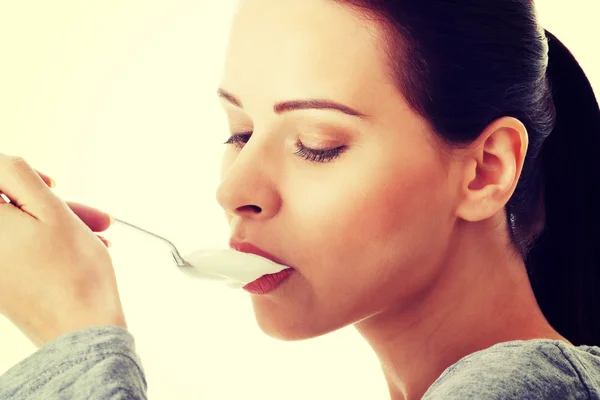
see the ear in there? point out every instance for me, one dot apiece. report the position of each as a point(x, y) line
point(491, 169)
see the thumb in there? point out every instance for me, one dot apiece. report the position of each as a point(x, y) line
point(25, 189)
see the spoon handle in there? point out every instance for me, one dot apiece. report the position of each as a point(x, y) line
point(176, 256)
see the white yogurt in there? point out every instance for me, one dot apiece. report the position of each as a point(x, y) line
point(232, 267)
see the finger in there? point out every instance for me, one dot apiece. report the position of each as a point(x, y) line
point(47, 180)
point(96, 220)
point(104, 240)
point(26, 189)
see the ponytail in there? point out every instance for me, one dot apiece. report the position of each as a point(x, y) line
point(566, 255)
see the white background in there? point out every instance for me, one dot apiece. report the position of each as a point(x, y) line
point(116, 101)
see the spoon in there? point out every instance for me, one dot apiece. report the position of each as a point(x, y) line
point(226, 265)
point(179, 260)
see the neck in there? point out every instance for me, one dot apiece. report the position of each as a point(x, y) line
point(479, 299)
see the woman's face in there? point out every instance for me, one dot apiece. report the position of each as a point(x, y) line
point(367, 230)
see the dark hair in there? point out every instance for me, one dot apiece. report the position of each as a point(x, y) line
point(461, 65)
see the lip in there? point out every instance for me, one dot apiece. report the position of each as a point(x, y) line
point(268, 283)
point(265, 283)
point(246, 247)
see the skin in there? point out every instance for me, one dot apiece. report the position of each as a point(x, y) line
point(64, 280)
point(400, 235)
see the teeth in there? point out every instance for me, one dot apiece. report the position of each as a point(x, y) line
point(227, 264)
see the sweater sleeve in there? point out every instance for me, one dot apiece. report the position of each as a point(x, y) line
point(97, 363)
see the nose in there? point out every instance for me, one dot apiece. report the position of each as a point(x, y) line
point(247, 187)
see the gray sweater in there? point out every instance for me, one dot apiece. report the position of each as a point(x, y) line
point(101, 364)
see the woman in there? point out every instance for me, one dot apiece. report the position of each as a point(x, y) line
point(429, 170)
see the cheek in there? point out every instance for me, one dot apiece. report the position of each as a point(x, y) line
point(366, 234)
point(369, 229)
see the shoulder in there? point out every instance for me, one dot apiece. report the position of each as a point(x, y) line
point(522, 369)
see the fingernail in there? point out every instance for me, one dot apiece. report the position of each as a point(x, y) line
point(52, 183)
point(108, 243)
point(112, 220)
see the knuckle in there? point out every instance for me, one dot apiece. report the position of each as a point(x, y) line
point(16, 161)
point(10, 161)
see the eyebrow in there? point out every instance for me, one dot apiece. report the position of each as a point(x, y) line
point(292, 105)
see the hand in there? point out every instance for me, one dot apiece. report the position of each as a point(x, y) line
point(56, 275)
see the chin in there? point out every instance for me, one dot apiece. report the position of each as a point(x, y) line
point(287, 325)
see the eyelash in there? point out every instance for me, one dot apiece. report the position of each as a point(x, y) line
point(312, 155)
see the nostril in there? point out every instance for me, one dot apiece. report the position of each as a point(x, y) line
point(250, 208)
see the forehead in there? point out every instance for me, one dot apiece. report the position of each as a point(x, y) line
point(291, 48)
